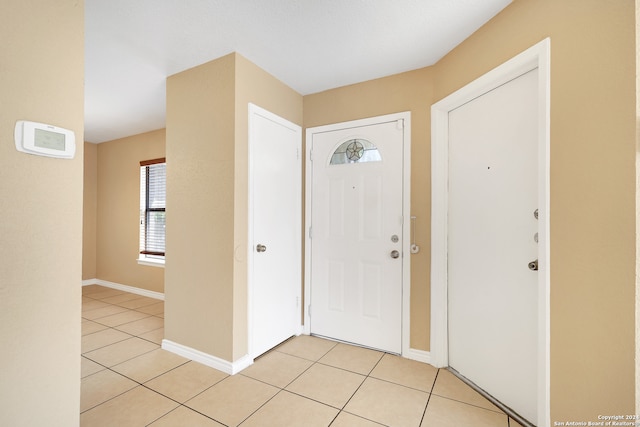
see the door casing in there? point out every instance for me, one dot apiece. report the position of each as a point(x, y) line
point(406, 209)
point(538, 56)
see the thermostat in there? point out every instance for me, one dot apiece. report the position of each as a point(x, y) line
point(44, 140)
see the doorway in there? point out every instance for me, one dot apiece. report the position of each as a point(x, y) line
point(356, 244)
point(490, 205)
point(275, 255)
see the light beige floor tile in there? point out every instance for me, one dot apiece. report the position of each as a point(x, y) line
point(186, 381)
point(448, 385)
point(307, 347)
point(514, 423)
point(135, 408)
point(287, 409)
point(355, 359)
point(346, 419)
point(388, 403)
point(406, 372)
point(102, 338)
point(155, 309)
point(106, 293)
point(120, 298)
point(121, 318)
point(102, 386)
point(93, 304)
point(327, 384)
point(138, 302)
point(182, 416)
point(92, 289)
point(443, 412)
point(233, 399)
point(155, 336)
point(121, 351)
point(161, 315)
point(142, 326)
point(89, 367)
point(149, 365)
point(103, 312)
point(277, 369)
point(89, 327)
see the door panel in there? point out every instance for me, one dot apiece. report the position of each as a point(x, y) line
point(276, 223)
point(356, 207)
point(493, 193)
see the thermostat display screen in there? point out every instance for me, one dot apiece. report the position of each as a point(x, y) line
point(42, 139)
point(50, 140)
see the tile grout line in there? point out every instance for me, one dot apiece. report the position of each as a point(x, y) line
point(433, 386)
point(279, 389)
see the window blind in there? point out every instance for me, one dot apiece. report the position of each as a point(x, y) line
point(152, 207)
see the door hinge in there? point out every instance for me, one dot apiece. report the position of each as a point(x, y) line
point(400, 124)
point(309, 310)
point(311, 155)
point(310, 233)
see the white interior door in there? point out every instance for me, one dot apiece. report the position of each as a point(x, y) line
point(493, 194)
point(357, 234)
point(275, 255)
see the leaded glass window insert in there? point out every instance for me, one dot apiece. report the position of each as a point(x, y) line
point(355, 151)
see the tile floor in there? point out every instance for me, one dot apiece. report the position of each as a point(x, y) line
point(128, 380)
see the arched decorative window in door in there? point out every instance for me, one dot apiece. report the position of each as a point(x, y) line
point(355, 151)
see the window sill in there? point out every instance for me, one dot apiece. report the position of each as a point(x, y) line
point(151, 262)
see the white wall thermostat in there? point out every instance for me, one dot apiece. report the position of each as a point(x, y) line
point(44, 140)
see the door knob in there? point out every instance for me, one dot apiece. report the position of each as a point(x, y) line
point(395, 254)
point(261, 248)
point(533, 265)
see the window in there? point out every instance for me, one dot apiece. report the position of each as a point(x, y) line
point(152, 211)
point(355, 151)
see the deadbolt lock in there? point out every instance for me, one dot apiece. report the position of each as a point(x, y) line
point(261, 248)
point(533, 265)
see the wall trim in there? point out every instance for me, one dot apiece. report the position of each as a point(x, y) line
point(418, 355)
point(214, 362)
point(125, 288)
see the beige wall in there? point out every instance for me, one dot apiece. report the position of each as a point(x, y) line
point(260, 88)
point(592, 187)
point(592, 182)
point(637, 207)
point(200, 200)
point(90, 211)
point(118, 210)
point(207, 140)
point(41, 211)
point(412, 92)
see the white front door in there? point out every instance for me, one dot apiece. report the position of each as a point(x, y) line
point(357, 234)
point(275, 217)
point(493, 226)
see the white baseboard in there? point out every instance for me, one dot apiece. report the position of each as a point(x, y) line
point(225, 366)
point(125, 288)
point(418, 355)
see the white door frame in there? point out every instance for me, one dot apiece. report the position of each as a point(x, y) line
point(406, 214)
point(254, 110)
point(538, 56)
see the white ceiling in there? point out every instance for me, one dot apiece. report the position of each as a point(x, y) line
point(131, 46)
